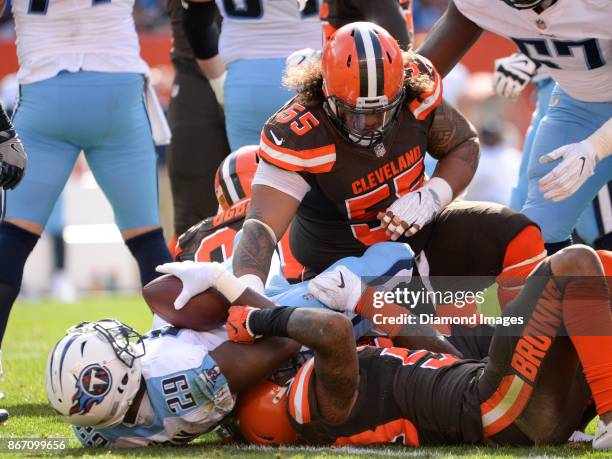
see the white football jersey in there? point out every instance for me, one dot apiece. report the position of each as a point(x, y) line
point(572, 38)
point(73, 35)
point(187, 395)
point(264, 29)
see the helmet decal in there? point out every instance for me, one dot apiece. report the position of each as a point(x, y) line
point(92, 385)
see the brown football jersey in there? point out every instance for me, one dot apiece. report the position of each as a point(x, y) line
point(350, 184)
point(409, 397)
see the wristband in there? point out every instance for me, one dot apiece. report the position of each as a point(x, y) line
point(270, 322)
point(253, 282)
point(229, 286)
point(217, 85)
point(442, 189)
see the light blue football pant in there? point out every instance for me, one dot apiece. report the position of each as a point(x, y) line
point(102, 114)
point(588, 227)
point(253, 92)
point(566, 121)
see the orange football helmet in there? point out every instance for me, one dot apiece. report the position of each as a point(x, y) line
point(234, 176)
point(363, 81)
point(262, 415)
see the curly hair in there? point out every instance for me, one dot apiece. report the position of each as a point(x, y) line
point(307, 80)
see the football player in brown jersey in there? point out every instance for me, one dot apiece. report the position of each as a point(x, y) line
point(212, 239)
point(345, 158)
point(539, 380)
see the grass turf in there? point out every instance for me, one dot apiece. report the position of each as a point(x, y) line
point(34, 328)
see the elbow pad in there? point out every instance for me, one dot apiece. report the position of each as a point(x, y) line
point(201, 28)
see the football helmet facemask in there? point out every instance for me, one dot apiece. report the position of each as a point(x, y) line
point(93, 373)
point(363, 81)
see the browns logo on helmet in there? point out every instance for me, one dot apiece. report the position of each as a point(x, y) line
point(234, 176)
point(363, 76)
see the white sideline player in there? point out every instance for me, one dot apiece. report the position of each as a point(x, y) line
point(573, 39)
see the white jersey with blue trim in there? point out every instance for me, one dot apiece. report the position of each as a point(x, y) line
point(187, 395)
point(73, 35)
point(266, 29)
point(572, 38)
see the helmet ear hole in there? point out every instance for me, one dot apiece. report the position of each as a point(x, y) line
point(125, 380)
point(348, 60)
point(389, 57)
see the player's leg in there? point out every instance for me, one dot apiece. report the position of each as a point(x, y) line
point(253, 92)
point(567, 121)
point(198, 146)
point(519, 192)
point(41, 120)
point(124, 163)
point(533, 374)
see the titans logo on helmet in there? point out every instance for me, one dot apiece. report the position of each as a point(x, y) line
point(93, 384)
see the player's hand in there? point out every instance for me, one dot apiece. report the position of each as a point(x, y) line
point(410, 213)
point(237, 324)
point(195, 276)
point(512, 74)
point(300, 57)
point(339, 289)
point(577, 164)
point(13, 161)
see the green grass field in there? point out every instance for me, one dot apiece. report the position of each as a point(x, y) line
point(34, 328)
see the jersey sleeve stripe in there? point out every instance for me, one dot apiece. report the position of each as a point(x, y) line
point(299, 408)
point(315, 160)
point(422, 108)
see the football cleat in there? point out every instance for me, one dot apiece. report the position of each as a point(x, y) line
point(603, 437)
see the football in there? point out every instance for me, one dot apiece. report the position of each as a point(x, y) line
point(203, 312)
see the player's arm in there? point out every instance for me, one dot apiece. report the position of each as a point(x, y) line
point(199, 23)
point(453, 141)
point(329, 334)
point(449, 39)
point(246, 366)
point(269, 216)
point(578, 161)
point(389, 15)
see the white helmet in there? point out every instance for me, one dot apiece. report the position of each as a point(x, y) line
point(94, 373)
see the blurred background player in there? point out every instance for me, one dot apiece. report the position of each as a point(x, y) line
point(393, 15)
point(574, 41)
point(13, 162)
point(84, 90)
point(199, 142)
point(256, 38)
point(512, 75)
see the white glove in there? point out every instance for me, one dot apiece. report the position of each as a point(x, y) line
point(414, 210)
point(339, 289)
point(196, 277)
point(301, 56)
point(578, 162)
point(512, 74)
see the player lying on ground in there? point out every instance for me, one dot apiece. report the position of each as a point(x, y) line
point(535, 388)
point(173, 384)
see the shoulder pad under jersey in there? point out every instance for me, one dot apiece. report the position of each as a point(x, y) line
point(296, 139)
point(424, 103)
